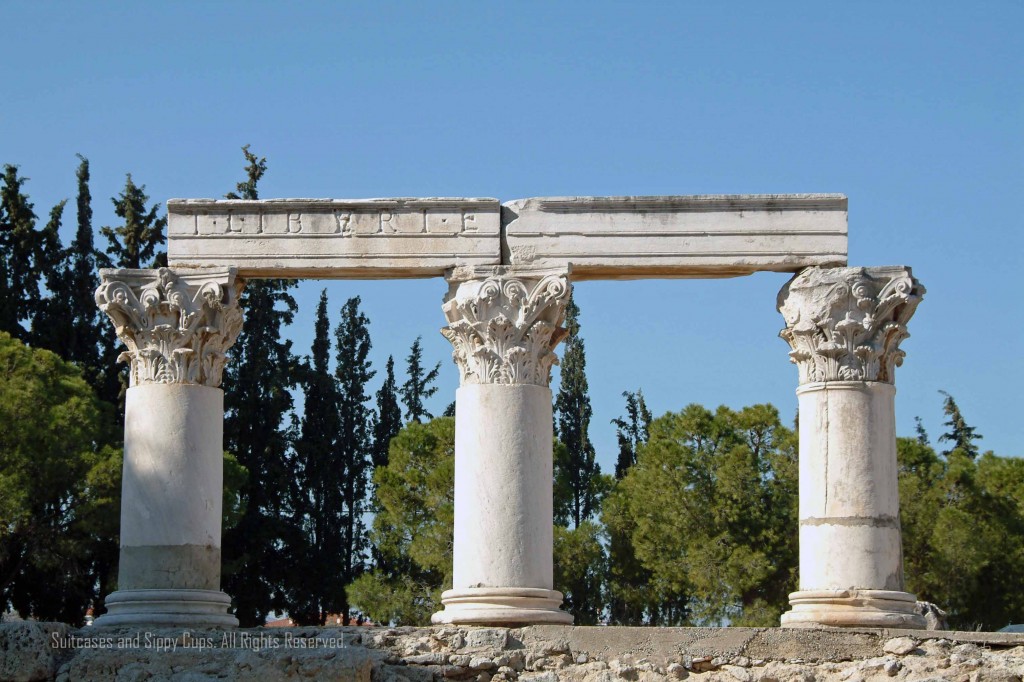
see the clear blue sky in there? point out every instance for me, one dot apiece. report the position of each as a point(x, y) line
point(913, 109)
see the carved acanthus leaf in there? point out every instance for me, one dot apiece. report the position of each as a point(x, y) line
point(504, 327)
point(846, 324)
point(177, 327)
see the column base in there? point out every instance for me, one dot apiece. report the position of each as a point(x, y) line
point(501, 606)
point(168, 607)
point(853, 608)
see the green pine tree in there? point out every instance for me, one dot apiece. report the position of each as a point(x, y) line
point(51, 320)
point(418, 388)
point(628, 580)
point(631, 431)
point(260, 372)
point(922, 435)
point(578, 481)
point(318, 588)
point(960, 434)
point(352, 339)
point(19, 248)
point(387, 420)
point(135, 244)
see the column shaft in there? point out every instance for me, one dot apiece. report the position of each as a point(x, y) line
point(845, 326)
point(503, 325)
point(176, 330)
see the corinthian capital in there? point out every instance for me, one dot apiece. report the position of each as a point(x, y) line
point(846, 324)
point(504, 323)
point(177, 325)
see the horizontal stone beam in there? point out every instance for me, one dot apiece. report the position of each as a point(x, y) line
point(331, 238)
point(676, 236)
point(598, 237)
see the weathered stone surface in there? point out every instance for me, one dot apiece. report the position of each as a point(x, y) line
point(548, 653)
point(600, 237)
point(177, 325)
point(846, 324)
point(31, 651)
point(676, 236)
point(359, 238)
point(504, 323)
point(844, 327)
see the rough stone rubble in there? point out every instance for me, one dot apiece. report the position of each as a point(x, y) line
point(538, 654)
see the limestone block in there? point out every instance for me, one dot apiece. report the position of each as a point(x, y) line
point(358, 238)
point(676, 236)
point(30, 650)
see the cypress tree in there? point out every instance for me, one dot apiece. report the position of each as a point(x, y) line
point(19, 247)
point(318, 589)
point(93, 343)
point(352, 337)
point(627, 578)
point(960, 434)
point(134, 244)
point(577, 474)
point(261, 369)
point(387, 420)
point(418, 388)
point(51, 323)
point(631, 431)
point(922, 435)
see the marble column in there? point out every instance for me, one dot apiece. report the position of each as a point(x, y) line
point(844, 326)
point(504, 325)
point(177, 327)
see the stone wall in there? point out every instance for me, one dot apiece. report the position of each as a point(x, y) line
point(48, 651)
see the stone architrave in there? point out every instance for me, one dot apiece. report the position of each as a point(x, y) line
point(845, 326)
point(334, 238)
point(503, 324)
point(723, 235)
point(177, 327)
point(719, 235)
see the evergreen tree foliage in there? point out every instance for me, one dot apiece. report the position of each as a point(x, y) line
point(92, 343)
point(580, 571)
point(51, 319)
point(710, 509)
point(19, 251)
point(631, 431)
point(418, 387)
point(960, 434)
point(318, 588)
point(578, 482)
point(135, 244)
point(628, 580)
point(963, 533)
point(52, 484)
point(352, 340)
point(260, 372)
point(387, 420)
point(413, 527)
point(922, 435)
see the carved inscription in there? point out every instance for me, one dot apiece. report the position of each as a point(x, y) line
point(434, 222)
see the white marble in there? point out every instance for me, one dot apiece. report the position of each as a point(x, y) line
point(599, 237)
point(504, 325)
point(177, 329)
point(676, 236)
point(845, 326)
point(334, 238)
